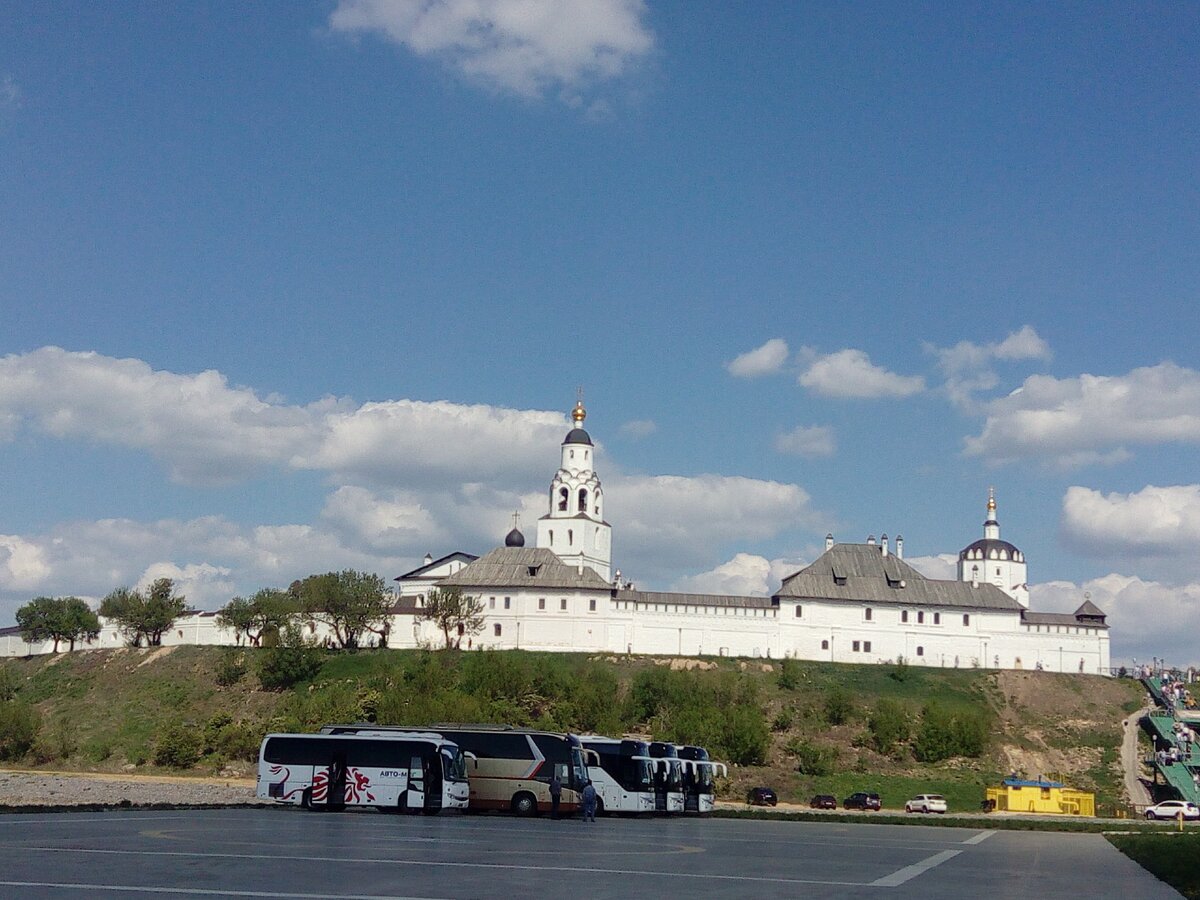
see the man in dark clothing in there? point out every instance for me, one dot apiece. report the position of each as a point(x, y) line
point(589, 802)
point(555, 795)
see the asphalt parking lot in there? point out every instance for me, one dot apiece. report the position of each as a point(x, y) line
point(290, 853)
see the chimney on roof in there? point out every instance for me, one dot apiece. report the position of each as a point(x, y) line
point(828, 542)
point(883, 544)
point(899, 547)
point(617, 579)
point(974, 576)
point(870, 540)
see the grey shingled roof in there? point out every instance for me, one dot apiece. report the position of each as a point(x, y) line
point(1036, 618)
point(509, 567)
point(695, 599)
point(870, 577)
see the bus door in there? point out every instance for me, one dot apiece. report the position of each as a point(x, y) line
point(335, 796)
point(415, 797)
point(433, 782)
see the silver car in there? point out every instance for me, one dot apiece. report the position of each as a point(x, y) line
point(926, 803)
point(1169, 809)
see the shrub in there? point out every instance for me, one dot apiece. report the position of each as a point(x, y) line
point(900, 670)
point(294, 660)
point(10, 681)
point(230, 668)
point(789, 674)
point(945, 733)
point(178, 746)
point(97, 750)
point(839, 707)
point(19, 726)
point(812, 759)
point(784, 719)
point(888, 724)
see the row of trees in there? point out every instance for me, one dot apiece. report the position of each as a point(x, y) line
point(352, 605)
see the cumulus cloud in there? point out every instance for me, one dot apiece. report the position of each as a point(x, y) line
point(807, 440)
point(1092, 417)
point(1146, 618)
point(745, 575)
point(525, 47)
point(942, 566)
point(764, 360)
point(1155, 521)
point(967, 366)
point(22, 563)
point(638, 428)
point(851, 374)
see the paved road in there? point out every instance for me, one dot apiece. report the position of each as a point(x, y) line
point(289, 853)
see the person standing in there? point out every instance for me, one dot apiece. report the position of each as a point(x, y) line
point(589, 802)
point(555, 795)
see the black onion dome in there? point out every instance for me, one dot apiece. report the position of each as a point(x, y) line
point(514, 539)
point(578, 436)
point(1004, 550)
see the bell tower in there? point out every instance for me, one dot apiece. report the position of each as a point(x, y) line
point(574, 527)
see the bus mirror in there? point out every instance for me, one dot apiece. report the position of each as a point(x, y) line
point(592, 756)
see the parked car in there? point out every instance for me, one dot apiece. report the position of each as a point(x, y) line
point(1169, 809)
point(926, 803)
point(862, 800)
point(761, 796)
point(823, 801)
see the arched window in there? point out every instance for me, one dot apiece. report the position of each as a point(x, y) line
point(583, 500)
point(824, 645)
point(563, 495)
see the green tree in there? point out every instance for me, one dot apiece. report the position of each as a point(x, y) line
point(458, 615)
point(948, 732)
point(839, 707)
point(268, 610)
point(888, 724)
point(349, 603)
point(58, 619)
point(295, 659)
point(146, 614)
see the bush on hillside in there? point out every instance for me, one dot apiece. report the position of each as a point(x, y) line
point(10, 681)
point(293, 661)
point(19, 726)
point(839, 707)
point(789, 674)
point(945, 733)
point(231, 667)
point(178, 746)
point(812, 759)
point(888, 724)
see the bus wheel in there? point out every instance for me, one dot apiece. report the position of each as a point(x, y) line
point(524, 804)
point(306, 799)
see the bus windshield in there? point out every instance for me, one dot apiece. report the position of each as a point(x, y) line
point(579, 772)
point(454, 764)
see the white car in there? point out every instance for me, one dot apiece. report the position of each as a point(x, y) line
point(1169, 809)
point(926, 803)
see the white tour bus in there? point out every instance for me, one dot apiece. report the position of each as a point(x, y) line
point(622, 773)
point(407, 772)
point(668, 778)
point(699, 785)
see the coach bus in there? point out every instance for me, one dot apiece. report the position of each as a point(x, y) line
point(509, 768)
point(418, 772)
point(621, 773)
point(699, 785)
point(668, 778)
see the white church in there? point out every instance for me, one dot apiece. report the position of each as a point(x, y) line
point(857, 603)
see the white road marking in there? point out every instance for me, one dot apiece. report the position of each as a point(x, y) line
point(582, 870)
point(908, 873)
point(207, 892)
point(979, 838)
point(79, 819)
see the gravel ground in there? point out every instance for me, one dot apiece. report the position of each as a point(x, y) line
point(62, 789)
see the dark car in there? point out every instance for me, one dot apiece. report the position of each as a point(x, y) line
point(862, 800)
point(823, 801)
point(761, 796)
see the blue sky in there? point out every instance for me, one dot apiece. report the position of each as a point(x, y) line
point(292, 287)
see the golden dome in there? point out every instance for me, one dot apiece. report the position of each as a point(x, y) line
point(579, 414)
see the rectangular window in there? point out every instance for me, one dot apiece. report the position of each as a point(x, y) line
point(541, 602)
point(867, 614)
point(797, 610)
point(866, 646)
point(591, 606)
point(562, 604)
point(920, 651)
point(904, 615)
point(966, 618)
point(491, 602)
point(937, 618)
point(507, 602)
point(920, 617)
point(496, 629)
point(855, 646)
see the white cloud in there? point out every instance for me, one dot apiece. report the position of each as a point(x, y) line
point(967, 366)
point(942, 567)
point(850, 373)
point(764, 360)
point(1146, 618)
point(526, 47)
point(745, 575)
point(807, 440)
point(1155, 521)
point(1057, 420)
point(22, 564)
point(638, 428)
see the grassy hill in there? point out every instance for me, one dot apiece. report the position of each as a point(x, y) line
point(800, 727)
